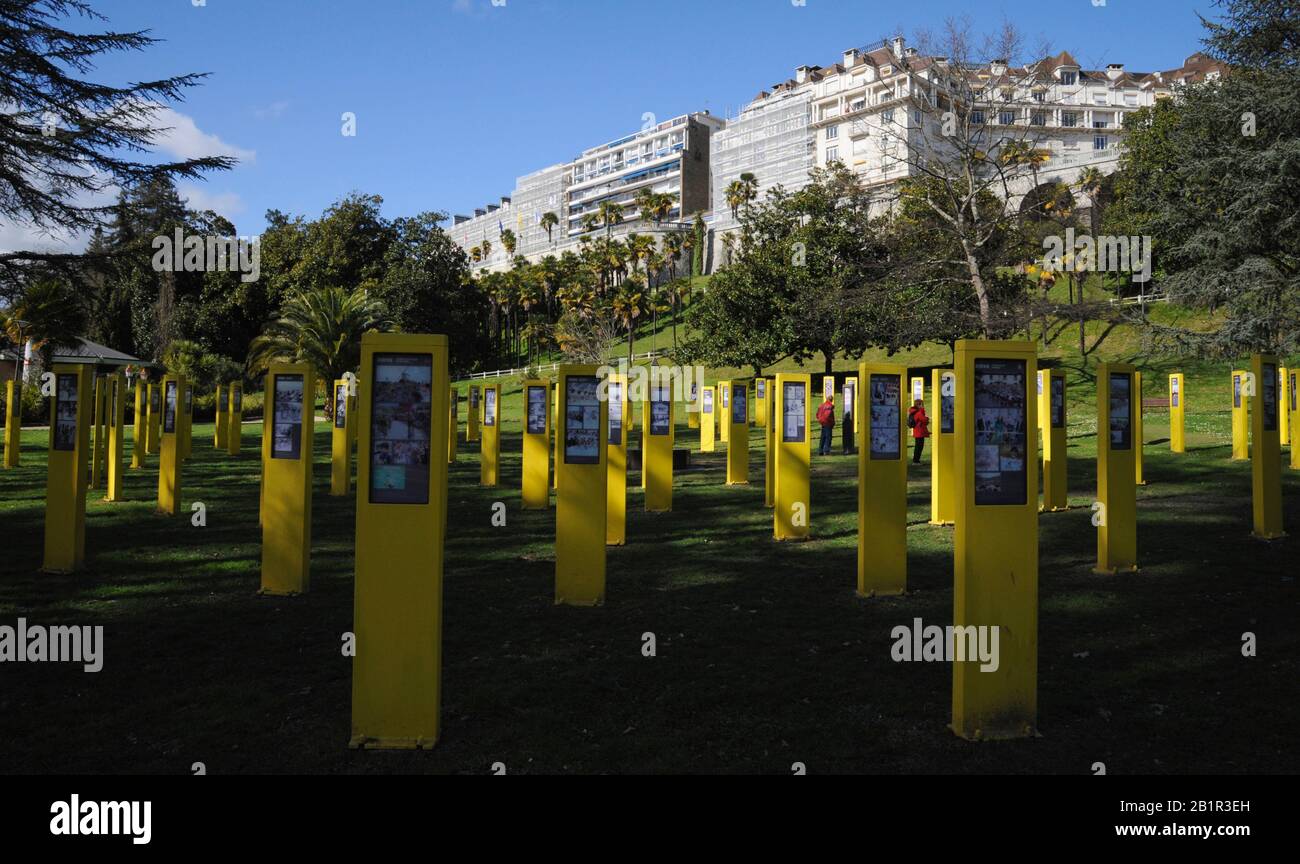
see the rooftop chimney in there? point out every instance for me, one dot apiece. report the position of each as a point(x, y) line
point(479, 211)
point(492, 208)
point(459, 219)
point(899, 45)
point(801, 75)
point(505, 201)
point(1114, 70)
point(851, 57)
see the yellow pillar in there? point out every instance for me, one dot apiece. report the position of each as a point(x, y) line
point(769, 446)
point(995, 543)
point(13, 423)
point(490, 449)
point(1177, 412)
point(453, 423)
point(849, 415)
point(793, 458)
point(153, 432)
point(286, 517)
point(707, 419)
point(657, 437)
point(471, 419)
point(235, 417)
point(1266, 449)
point(187, 423)
point(1139, 439)
point(97, 459)
point(537, 445)
point(66, 480)
point(1241, 415)
point(943, 452)
point(738, 444)
point(724, 416)
point(400, 529)
point(1292, 386)
point(140, 424)
point(116, 435)
point(1052, 421)
point(169, 446)
point(760, 401)
point(555, 445)
point(882, 481)
point(1116, 519)
point(616, 462)
point(340, 440)
point(580, 508)
point(1283, 389)
point(222, 426)
point(693, 406)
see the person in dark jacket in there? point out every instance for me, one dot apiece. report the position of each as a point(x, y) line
point(920, 426)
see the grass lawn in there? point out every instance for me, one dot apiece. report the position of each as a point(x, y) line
point(765, 655)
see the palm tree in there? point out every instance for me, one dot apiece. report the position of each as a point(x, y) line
point(509, 242)
point(476, 253)
point(487, 248)
point(549, 222)
point(627, 305)
point(590, 223)
point(611, 214)
point(645, 203)
point(322, 327)
point(1090, 180)
point(48, 314)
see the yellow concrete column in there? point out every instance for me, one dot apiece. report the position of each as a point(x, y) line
point(116, 436)
point(1116, 518)
point(286, 520)
point(169, 446)
point(71, 412)
point(738, 443)
point(1266, 448)
point(400, 530)
point(943, 450)
point(657, 437)
point(1177, 413)
point(882, 481)
point(793, 458)
point(995, 543)
point(580, 510)
point(707, 419)
point(616, 462)
point(13, 423)
point(490, 449)
point(537, 445)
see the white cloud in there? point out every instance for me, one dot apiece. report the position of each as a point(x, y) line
point(228, 204)
point(272, 111)
point(184, 139)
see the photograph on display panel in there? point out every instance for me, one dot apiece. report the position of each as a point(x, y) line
point(286, 417)
point(341, 406)
point(1268, 397)
point(1001, 416)
point(1058, 403)
point(401, 428)
point(490, 406)
point(739, 404)
point(886, 437)
point(1174, 392)
point(581, 420)
point(616, 413)
point(948, 404)
point(169, 414)
point(708, 402)
point(536, 410)
point(65, 413)
point(1121, 411)
point(661, 411)
point(794, 412)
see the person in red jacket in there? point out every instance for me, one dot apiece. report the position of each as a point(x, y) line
point(826, 417)
point(919, 423)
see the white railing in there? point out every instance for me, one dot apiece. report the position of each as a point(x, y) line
point(548, 367)
point(1140, 300)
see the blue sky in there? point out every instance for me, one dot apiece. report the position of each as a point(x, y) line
point(455, 98)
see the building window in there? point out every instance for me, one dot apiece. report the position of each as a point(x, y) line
point(832, 154)
point(1069, 79)
point(1101, 124)
point(1038, 118)
point(1099, 142)
point(1099, 99)
point(1069, 118)
point(1007, 118)
point(1131, 100)
point(977, 117)
point(832, 132)
point(1039, 96)
point(887, 116)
